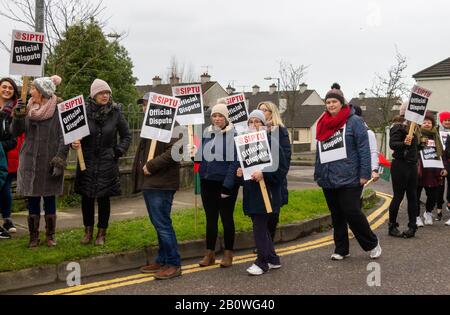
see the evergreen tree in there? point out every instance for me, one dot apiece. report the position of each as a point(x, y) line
point(84, 54)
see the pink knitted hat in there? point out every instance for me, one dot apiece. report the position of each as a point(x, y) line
point(99, 86)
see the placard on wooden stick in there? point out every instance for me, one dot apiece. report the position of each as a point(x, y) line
point(237, 111)
point(27, 53)
point(190, 111)
point(74, 124)
point(159, 120)
point(254, 155)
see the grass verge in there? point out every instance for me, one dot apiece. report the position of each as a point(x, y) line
point(138, 233)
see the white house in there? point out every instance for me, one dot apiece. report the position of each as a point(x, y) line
point(437, 79)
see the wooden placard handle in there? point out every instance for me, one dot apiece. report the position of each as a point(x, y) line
point(81, 159)
point(24, 93)
point(191, 139)
point(266, 198)
point(151, 152)
point(412, 128)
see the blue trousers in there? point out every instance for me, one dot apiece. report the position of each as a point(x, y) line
point(159, 206)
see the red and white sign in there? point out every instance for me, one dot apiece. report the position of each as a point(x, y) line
point(417, 106)
point(160, 117)
point(190, 111)
point(27, 53)
point(254, 152)
point(237, 111)
point(73, 119)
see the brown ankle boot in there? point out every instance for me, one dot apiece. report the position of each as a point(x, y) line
point(100, 240)
point(209, 259)
point(227, 259)
point(88, 235)
point(33, 228)
point(50, 229)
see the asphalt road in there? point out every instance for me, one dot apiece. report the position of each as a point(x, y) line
point(407, 266)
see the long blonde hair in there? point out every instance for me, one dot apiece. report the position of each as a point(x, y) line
point(276, 118)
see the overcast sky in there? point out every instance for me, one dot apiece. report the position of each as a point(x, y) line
point(347, 41)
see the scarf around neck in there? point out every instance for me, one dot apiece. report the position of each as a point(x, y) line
point(434, 135)
point(40, 112)
point(100, 112)
point(328, 125)
point(8, 107)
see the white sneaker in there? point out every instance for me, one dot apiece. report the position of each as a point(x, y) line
point(419, 222)
point(274, 266)
point(376, 252)
point(338, 257)
point(447, 223)
point(254, 270)
point(428, 218)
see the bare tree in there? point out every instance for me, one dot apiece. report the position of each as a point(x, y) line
point(291, 77)
point(388, 91)
point(178, 69)
point(59, 15)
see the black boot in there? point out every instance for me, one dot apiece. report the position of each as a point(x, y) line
point(411, 232)
point(394, 231)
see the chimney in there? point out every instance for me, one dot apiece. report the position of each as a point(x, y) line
point(230, 90)
point(156, 81)
point(255, 89)
point(174, 79)
point(273, 89)
point(362, 96)
point(205, 78)
point(303, 88)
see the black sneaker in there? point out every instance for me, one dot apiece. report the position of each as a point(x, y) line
point(9, 226)
point(4, 234)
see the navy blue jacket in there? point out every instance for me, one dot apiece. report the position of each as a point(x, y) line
point(347, 173)
point(253, 202)
point(285, 144)
point(215, 164)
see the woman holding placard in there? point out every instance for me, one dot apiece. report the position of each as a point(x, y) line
point(403, 173)
point(9, 98)
point(101, 179)
point(254, 204)
point(430, 176)
point(343, 167)
point(42, 158)
point(275, 127)
point(218, 188)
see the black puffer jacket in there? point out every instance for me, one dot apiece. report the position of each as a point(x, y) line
point(403, 152)
point(102, 150)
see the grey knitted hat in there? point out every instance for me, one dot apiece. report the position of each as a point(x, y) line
point(47, 85)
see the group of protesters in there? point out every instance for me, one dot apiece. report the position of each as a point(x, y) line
point(347, 159)
point(410, 175)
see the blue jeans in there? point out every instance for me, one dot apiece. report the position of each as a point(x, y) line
point(6, 197)
point(34, 205)
point(159, 206)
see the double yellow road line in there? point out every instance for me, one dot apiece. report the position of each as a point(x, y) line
point(376, 219)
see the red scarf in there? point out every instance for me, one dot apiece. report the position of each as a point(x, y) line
point(328, 125)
